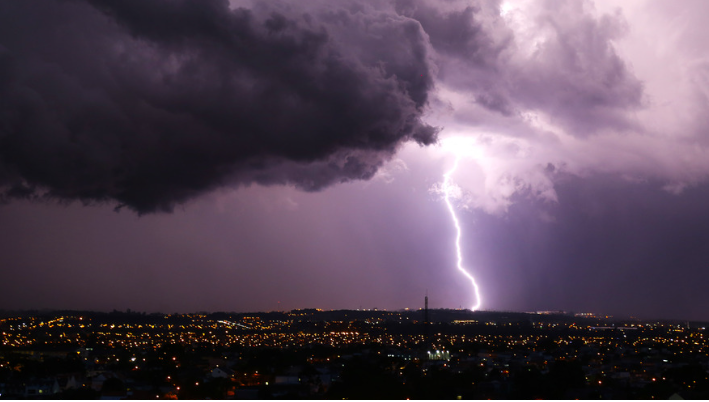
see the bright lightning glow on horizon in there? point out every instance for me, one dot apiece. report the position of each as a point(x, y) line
point(447, 187)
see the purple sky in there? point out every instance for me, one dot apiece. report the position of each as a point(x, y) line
point(184, 155)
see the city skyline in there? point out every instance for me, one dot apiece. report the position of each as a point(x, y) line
point(183, 156)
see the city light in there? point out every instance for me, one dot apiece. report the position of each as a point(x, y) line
point(515, 341)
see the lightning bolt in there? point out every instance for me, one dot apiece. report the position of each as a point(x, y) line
point(447, 187)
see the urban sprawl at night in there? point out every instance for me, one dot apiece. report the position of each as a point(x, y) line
point(357, 354)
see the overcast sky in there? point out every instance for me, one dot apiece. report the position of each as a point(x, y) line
point(187, 155)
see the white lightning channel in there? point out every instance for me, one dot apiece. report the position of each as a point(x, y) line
point(447, 191)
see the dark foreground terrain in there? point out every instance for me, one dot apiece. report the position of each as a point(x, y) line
point(455, 354)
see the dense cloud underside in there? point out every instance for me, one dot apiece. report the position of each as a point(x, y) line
point(149, 103)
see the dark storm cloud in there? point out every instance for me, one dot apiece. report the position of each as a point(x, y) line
point(472, 42)
point(461, 30)
point(151, 103)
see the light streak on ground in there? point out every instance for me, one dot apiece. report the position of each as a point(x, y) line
point(447, 187)
point(233, 324)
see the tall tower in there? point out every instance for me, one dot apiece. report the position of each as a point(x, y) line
point(426, 324)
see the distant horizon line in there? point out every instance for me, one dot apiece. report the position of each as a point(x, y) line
point(316, 309)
